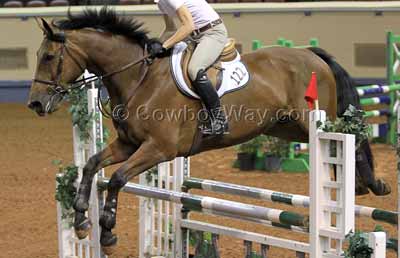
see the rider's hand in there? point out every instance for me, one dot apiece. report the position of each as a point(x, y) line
point(156, 49)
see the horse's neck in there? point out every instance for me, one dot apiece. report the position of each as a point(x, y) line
point(109, 54)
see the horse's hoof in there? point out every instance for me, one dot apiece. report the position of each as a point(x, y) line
point(108, 242)
point(109, 250)
point(381, 188)
point(83, 229)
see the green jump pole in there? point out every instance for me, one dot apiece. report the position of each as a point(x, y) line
point(392, 77)
point(256, 44)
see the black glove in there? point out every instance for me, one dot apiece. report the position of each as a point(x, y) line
point(155, 49)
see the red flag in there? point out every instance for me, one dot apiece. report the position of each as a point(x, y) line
point(312, 91)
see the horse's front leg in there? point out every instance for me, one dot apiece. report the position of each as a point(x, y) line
point(147, 156)
point(114, 153)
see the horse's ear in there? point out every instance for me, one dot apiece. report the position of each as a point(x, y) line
point(47, 29)
point(40, 24)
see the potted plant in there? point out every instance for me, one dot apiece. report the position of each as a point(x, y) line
point(247, 153)
point(276, 150)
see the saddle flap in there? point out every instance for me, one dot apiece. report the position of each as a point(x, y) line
point(229, 76)
point(213, 74)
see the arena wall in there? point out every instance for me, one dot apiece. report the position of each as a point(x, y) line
point(354, 32)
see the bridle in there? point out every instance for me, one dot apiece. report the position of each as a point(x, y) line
point(60, 89)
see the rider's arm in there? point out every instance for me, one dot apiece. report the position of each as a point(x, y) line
point(185, 30)
point(170, 28)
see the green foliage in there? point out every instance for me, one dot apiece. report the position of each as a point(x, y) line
point(255, 255)
point(106, 136)
point(276, 146)
point(254, 146)
point(272, 145)
point(358, 246)
point(204, 247)
point(66, 189)
point(81, 117)
point(379, 228)
point(352, 122)
point(80, 114)
point(152, 173)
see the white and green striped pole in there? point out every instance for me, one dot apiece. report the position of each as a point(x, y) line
point(216, 206)
point(280, 197)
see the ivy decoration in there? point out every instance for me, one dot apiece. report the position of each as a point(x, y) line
point(66, 183)
point(82, 118)
point(351, 122)
point(203, 244)
point(255, 255)
point(80, 114)
point(358, 245)
point(152, 173)
point(66, 190)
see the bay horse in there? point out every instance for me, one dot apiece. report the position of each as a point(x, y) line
point(108, 45)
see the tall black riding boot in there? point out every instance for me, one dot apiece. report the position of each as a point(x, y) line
point(209, 96)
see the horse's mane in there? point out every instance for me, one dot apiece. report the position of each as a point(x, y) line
point(106, 19)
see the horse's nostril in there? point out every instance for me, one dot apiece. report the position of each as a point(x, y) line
point(36, 106)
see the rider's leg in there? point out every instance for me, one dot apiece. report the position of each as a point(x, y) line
point(209, 96)
point(210, 45)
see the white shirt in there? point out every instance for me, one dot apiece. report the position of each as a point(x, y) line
point(201, 11)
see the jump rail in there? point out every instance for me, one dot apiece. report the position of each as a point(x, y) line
point(280, 197)
point(385, 94)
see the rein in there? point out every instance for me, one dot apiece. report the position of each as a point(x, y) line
point(58, 87)
point(62, 89)
point(101, 77)
point(103, 111)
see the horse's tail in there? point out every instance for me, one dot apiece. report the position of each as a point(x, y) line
point(345, 85)
point(347, 94)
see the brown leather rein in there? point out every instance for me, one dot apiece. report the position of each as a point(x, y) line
point(63, 89)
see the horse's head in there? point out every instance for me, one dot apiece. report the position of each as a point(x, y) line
point(59, 63)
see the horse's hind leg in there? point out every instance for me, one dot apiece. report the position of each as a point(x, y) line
point(365, 170)
point(147, 156)
point(116, 152)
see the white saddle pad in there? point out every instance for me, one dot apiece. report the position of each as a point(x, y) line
point(235, 74)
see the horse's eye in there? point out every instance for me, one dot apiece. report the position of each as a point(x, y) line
point(48, 57)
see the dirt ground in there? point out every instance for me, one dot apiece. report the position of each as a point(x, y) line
point(28, 226)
